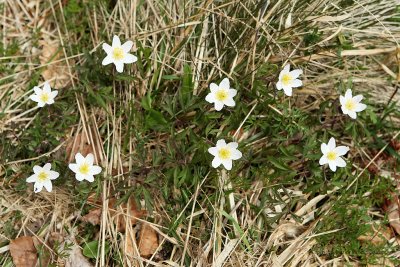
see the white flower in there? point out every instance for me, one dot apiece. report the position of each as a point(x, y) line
point(288, 80)
point(351, 105)
point(43, 96)
point(42, 178)
point(224, 154)
point(221, 95)
point(331, 154)
point(118, 54)
point(84, 168)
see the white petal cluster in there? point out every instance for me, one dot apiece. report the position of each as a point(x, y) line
point(43, 96)
point(332, 154)
point(42, 178)
point(84, 168)
point(221, 95)
point(118, 54)
point(289, 80)
point(351, 105)
point(224, 154)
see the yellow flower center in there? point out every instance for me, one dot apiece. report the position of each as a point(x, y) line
point(221, 95)
point(286, 79)
point(350, 104)
point(84, 169)
point(224, 153)
point(331, 155)
point(42, 176)
point(44, 97)
point(118, 53)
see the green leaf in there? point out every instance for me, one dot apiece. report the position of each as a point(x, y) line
point(155, 120)
point(90, 249)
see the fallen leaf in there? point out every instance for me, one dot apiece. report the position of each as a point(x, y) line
point(148, 241)
point(93, 216)
point(57, 72)
point(379, 235)
point(391, 207)
point(118, 215)
point(80, 143)
point(23, 252)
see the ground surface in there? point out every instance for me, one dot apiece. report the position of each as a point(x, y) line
point(158, 201)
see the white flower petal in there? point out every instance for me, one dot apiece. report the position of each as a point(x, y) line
point(89, 178)
point(360, 107)
point(352, 114)
point(31, 178)
point(236, 154)
point(79, 158)
point(341, 150)
point(288, 90)
point(296, 83)
point(210, 98)
point(279, 85)
point(216, 162)
point(107, 48)
point(127, 46)
point(107, 60)
point(221, 143)
point(224, 84)
point(233, 145)
point(53, 94)
point(218, 105)
point(89, 159)
point(213, 87)
point(47, 184)
point(332, 166)
point(331, 144)
point(50, 101)
point(36, 169)
point(358, 98)
point(47, 167)
point(41, 104)
point(119, 65)
point(116, 42)
point(227, 164)
point(73, 167)
point(296, 73)
point(229, 102)
point(324, 148)
point(37, 187)
point(341, 100)
point(129, 58)
point(348, 94)
point(37, 90)
point(285, 70)
point(94, 170)
point(34, 98)
point(213, 151)
point(340, 162)
point(344, 110)
point(232, 92)
point(46, 88)
point(80, 177)
point(323, 160)
point(53, 175)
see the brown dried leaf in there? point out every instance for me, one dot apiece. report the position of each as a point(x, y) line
point(57, 71)
point(80, 143)
point(380, 236)
point(23, 252)
point(148, 241)
point(391, 207)
point(94, 215)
